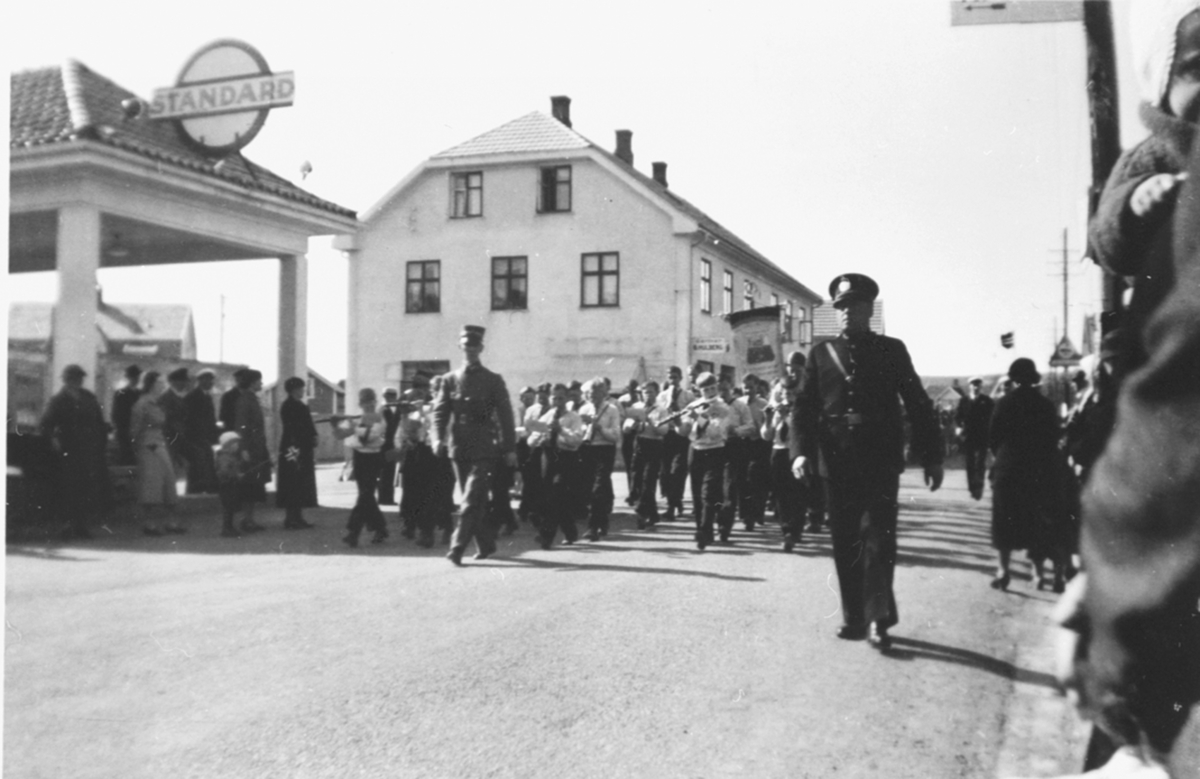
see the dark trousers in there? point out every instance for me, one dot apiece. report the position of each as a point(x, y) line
point(387, 483)
point(529, 460)
point(202, 471)
point(755, 482)
point(628, 444)
point(735, 472)
point(674, 472)
point(647, 461)
point(561, 504)
point(500, 513)
point(420, 493)
point(367, 466)
point(708, 478)
point(790, 494)
point(474, 479)
point(976, 461)
point(598, 460)
point(862, 521)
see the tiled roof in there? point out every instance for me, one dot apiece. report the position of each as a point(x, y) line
point(122, 322)
point(825, 321)
point(538, 132)
point(70, 103)
point(534, 132)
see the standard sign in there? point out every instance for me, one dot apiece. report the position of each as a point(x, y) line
point(222, 97)
point(710, 344)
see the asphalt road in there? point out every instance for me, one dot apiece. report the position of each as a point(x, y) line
point(285, 654)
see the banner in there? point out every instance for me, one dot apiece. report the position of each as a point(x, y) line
point(757, 342)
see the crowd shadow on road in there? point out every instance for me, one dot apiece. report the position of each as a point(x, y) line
point(915, 649)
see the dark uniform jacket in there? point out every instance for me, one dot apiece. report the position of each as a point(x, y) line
point(847, 415)
point(473, 414)
point(974, 416)
point(200, 418)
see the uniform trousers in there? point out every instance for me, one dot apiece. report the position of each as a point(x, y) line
point(420, 493)
point(474, 479)
point(674, 471)
point(561, 504)
point(708, 478)
point(736, 456)
point(647, 461)
point(976, 461)
point(862, 520)
point(598, 460)
point(367, 466)
point(790, 494)
point(442, 501)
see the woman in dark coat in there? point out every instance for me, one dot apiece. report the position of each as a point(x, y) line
point(1027, 511)
point(297, 487)
point(75, 426)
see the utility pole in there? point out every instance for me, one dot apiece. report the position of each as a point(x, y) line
point(1066, 286)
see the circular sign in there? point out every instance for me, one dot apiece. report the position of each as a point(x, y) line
point(226, 80)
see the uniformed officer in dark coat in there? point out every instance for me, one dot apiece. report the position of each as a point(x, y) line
point(974, 418)
point(847, 416)
point(473, 425)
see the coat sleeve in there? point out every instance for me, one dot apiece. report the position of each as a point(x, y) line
point(1117, 239)
point(1139, 659)
point(442, 406)
point(504, 415)
point(927, 440)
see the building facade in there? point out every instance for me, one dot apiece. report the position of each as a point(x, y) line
point(575, 262)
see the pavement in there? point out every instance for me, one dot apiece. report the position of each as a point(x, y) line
point(285, 653)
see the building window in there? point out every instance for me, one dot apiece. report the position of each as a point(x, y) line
point(466, 194)
point(706, 286)
point(424, 287)
point(510, 279)
point(774, 300)
point(410, 368)
point(748, 290)
point(601, 279)
point(806, 335)
point(787, 321)
point(555, 192)
point(728, 375)
point(705, 366)
point(727, 292)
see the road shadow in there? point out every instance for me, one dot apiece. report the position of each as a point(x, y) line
point(571, 567)
point(915, 649)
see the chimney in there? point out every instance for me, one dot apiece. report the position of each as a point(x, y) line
point(560, 109)
point(660, 172)
point(624, 150)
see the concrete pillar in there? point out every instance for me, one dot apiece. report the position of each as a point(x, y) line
point(293, 320)
point(77, 259)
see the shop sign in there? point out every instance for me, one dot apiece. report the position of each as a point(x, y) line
point(706, 345)
point(222, 97)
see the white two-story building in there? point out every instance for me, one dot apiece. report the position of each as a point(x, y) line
point(576, 263)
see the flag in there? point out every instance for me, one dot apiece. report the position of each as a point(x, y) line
point(1006, 340)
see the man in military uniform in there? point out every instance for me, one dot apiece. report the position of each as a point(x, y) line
point(473, 425)
point(847, 417)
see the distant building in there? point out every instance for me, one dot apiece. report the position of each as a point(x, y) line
point(825, 322)
point(576, 263)
point(165, 331)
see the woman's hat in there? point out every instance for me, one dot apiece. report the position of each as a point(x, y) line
point(1023, 371)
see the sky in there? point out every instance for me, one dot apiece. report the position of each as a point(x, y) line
point(872, 137)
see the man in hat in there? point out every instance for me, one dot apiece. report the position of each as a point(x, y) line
point(200, 434)
point(391, 418)
point(74, 424)
point(973, 417)
point(473, 426)
point(122, 410)
point(674, 471)
point(847, 418)
point(173, 406)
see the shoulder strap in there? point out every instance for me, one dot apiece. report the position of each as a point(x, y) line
point(837, 360)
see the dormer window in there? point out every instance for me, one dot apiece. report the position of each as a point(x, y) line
point(466, 194)
point(555, 191)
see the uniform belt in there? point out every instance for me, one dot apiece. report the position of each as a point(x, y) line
point(852, 419)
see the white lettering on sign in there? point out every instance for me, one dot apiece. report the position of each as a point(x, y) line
point(224, 97)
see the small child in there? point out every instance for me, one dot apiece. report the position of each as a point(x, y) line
point(232, 465)
point(1130, 233)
